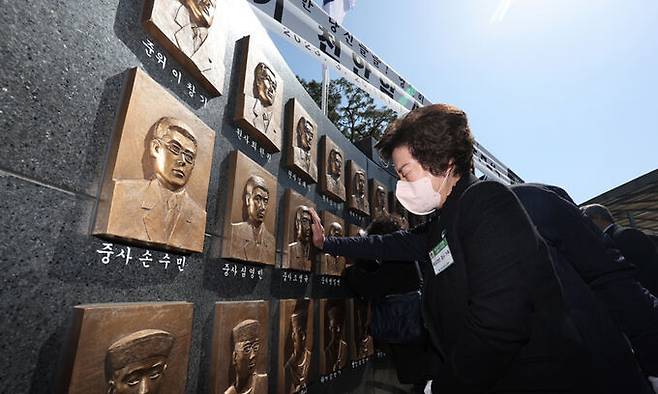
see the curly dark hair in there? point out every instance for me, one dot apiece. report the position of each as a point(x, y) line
point(435, 134)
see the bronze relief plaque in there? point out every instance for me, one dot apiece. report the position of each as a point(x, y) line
point(334, 226)
point(301, 142)
point(250, 212)
point(298, 250)
point(259, 105)
point(295, 345)
point(119, 348)
point(362, 342)
point(156, 182)
point(398, 211)
point(357, 189)
point(378, 199)
point(332, 169)
point(334, 351)
point(194, 32)
point(239, 348)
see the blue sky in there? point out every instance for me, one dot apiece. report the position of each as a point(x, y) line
point(563, 92)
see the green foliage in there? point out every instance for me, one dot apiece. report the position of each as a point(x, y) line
point(351, 109)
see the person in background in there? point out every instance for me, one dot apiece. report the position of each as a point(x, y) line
point(372, 280)
point(637, 247)
point(492, 303)
point(600, 284)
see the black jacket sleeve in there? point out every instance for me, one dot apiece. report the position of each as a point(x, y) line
point(399, 246)
point(498, 243)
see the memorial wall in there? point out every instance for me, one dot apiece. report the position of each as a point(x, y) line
point(158, 165)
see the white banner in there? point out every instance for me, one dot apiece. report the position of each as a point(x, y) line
point(304, 24)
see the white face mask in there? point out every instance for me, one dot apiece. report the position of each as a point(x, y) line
point(419, 197)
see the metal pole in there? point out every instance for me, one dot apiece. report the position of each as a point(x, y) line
point(325, 89)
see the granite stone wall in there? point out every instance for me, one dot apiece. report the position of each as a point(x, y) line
point(64, 65)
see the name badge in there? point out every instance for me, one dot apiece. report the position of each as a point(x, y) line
point(441, 256)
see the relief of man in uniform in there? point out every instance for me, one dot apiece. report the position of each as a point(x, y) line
point(300, 250)
point(358, 199)
point(260, 108)
point(250, 239)
point(336, 349)
point(160, 210)
point(334, 265)
point(298, 364)
point(305, 132)
point(334, 173)
point(364, 343)
point(246, 345)
point(380, 202)
point(137, 362)
point(187, 25)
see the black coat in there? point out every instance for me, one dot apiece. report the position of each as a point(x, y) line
point(497, 314)
point(602, 291)
point(639, 250)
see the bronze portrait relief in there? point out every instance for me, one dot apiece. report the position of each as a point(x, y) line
point(302, 137)
point(157, 175)
point(363, 345)
point(259, 107)
point(239, 348)
point(295, 345)
point(332, 181)
point(333, 340)
point(130, 348)
point(379, 199)
point(194, 32)
point(357, 189)
point(334, 226)
point(398, 211)
point(298, 250)
point(250, 212)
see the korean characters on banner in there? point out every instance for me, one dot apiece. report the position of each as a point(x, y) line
point(249, 219)
point(357, 190)
point(301, 142)
point(259, 108)
point(115, 347)
point(334, 226)
point(239, 348)
point(195, 33)
point(298, 251)
point(295, 345)
point(156, 181)
point(332, 179)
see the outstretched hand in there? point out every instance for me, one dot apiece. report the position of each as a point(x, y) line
point(317, 229)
